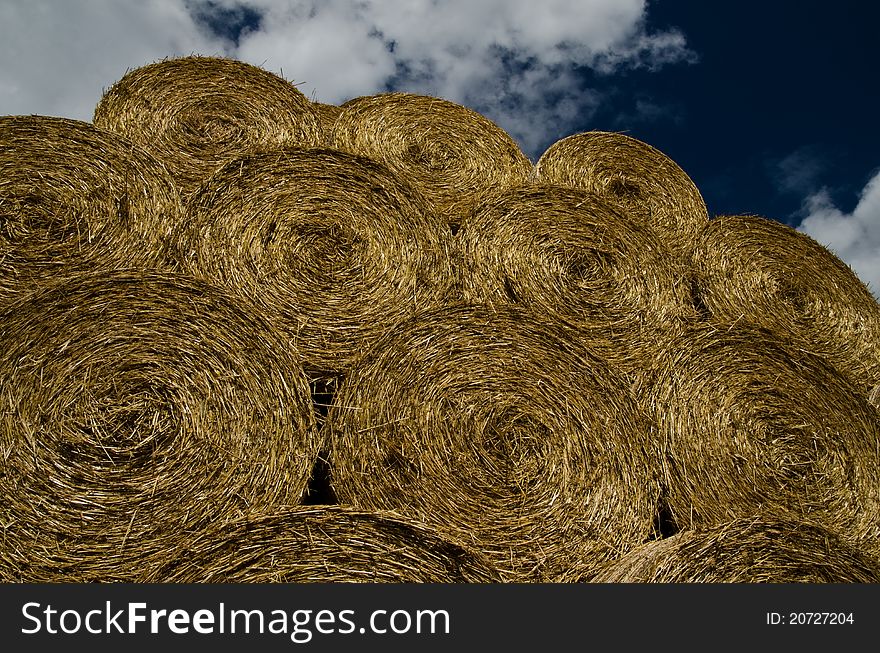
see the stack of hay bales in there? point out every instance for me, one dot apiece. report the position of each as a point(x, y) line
point(560, 372)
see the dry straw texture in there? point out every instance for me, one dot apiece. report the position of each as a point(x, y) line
point(759, 270)
point(453, 154)
point(72, 195)
point(747, 550)
point(567, 254)
point(650, 187)
point(327, 115)
point(196, 113)
point(489, 426)
point(326, 544)
point(748, 420)
point(136, 410)
point(333, 244)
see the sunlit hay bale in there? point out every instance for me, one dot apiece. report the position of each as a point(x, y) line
point(568, 255)
point(453, 154)
point(73, 196)
point(327, 544)
point(196, 113)
point(649, 187)
point(762, 271)
point(490, 426)
point(136, 410)
point(748, 421)
point(335, 245)
point(747, 550)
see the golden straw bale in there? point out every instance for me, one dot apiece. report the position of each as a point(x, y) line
point(75, 197)
point(136, 409)
point(747, 550)
point(490, 426)
point(567, 254)
point(650, 188)
point(451, 153)
point(326, 544)
point(335, 245)
point(758, 270)
point(749, 421)
point(195, 113)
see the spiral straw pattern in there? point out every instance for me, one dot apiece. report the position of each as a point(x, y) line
point(135, 411)
point(650, 188)
point(452, 154)
point(767, 273)
point(748, 421)
point(196, 113)
point(495, 429)
point(75, 197)
point(334, 245)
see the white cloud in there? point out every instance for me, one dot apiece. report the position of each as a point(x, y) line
point(854, 237)
point(58, 57)
point(514, 60)
point(330, 49)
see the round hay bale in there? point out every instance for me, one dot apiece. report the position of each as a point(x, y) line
point(567, 254)
point(73, 196)
point(327, 544)
point(650, 187)
point(138, 409)
point(747, 550)
point(453, 154)
point(751, 268)
point(195, 113)
point(488, 425)
point(749, 421)
point(335, 245)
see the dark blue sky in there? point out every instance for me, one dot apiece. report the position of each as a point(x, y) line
point(783, 100)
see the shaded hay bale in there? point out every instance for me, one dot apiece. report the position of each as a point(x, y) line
point(327, 115)
point(135, 410)
point(329, 544)
point(747, 550)
point(72, 195)
point(452, 154)
point(748, 421)
point(335, 245)
point(492, 428)
point(567, 254)
point(759, 270)
point(650, 188)
point(196, 113)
